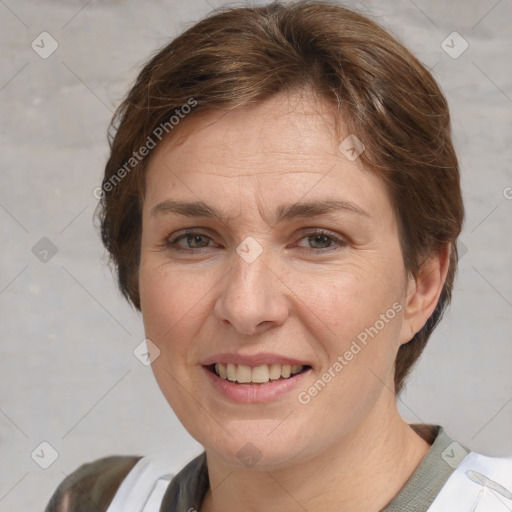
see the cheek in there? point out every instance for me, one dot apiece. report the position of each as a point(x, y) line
point(350, 298)
point(171, 305)
point(355, 316)
point(172, 311)
point(356, 320)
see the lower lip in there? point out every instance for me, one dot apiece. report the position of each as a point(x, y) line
point(254, 393)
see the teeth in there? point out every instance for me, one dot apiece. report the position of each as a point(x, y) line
point(243, 373)
point(275, 371)
point(231, 372)
point(258, 375)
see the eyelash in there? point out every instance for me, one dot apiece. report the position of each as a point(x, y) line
point(172, 243)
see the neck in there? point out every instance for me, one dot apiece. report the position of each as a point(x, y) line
point(363, 471)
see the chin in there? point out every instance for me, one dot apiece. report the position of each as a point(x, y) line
point(253, 444)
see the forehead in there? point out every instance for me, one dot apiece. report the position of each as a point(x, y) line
point(286, 145)
point(285, 124)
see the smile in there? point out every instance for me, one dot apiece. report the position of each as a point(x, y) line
point(262, 374)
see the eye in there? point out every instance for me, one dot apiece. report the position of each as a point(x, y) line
point(194, 241)
point(321, 240)
point(188, 242)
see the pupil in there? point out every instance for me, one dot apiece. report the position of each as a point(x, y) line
point(321, 240)
point(193, 239)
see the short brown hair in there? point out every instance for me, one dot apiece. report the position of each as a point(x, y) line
point(243, 55)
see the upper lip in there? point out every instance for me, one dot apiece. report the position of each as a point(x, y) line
point(252, 360)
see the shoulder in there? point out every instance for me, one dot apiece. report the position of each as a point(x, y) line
point(92, 486)
point(479, 482)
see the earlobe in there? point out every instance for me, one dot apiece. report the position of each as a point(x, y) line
point(423, 292)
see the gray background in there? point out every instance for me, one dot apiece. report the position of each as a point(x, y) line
point(68, 373)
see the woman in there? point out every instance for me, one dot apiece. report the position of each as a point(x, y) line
point(282, 203)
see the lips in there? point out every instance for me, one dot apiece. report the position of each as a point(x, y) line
point(248, 380)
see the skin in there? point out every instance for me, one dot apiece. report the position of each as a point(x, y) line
point(348, 448)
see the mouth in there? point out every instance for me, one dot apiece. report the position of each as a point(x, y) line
point(256, 375)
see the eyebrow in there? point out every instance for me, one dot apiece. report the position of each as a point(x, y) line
point(283, 212)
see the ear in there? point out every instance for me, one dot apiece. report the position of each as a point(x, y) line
point(423, 292)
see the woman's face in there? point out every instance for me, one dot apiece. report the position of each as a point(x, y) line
point(267, 250)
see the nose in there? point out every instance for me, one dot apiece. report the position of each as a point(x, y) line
point(252, 299)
